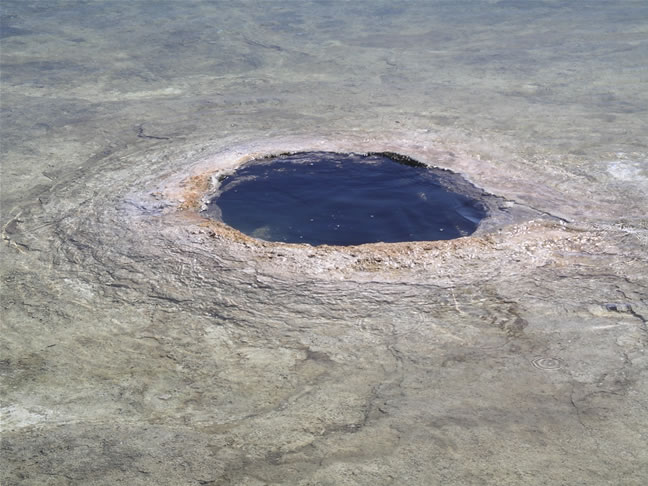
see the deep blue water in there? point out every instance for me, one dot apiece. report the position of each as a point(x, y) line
point(343, 199)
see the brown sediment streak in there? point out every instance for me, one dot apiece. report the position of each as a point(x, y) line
point(194, 189)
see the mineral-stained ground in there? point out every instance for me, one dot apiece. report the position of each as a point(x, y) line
point(143, 343)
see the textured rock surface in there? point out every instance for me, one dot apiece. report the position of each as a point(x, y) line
point(143, 344)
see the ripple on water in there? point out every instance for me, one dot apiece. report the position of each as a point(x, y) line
point(547, 363)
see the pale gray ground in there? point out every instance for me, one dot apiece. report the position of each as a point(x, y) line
point(140, 346)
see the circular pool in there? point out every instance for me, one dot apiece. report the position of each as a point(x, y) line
point(345, 199)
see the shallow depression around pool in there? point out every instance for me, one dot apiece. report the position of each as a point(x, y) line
point(344, 199)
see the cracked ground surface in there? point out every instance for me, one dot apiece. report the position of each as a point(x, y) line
point(144, 344)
